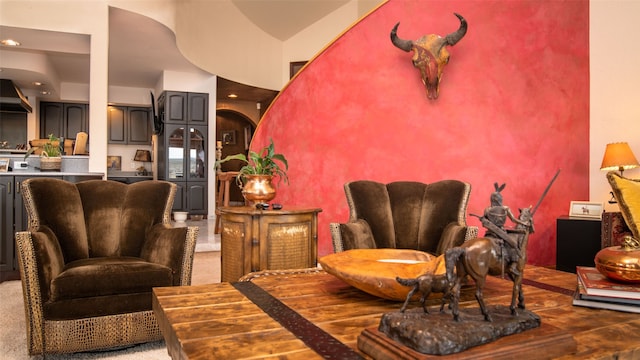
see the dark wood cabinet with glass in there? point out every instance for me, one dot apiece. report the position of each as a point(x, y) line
point(182, 148)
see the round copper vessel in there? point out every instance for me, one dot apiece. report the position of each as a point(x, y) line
point(619, 263)
point(258, 188)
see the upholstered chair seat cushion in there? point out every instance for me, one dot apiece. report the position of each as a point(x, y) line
point(108, 276)
point(90, 284)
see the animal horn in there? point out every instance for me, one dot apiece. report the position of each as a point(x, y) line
point(405, 45)
point(456, 36)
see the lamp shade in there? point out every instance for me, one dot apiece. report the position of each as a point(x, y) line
point(143, 155)
point(618, 156)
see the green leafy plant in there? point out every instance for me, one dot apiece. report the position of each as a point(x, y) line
point(263, 162)
point(49, 149)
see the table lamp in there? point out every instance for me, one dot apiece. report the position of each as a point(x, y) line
point(143, 156)
point(618, 156)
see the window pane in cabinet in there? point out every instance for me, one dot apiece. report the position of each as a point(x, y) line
point(176, 154)
point(197, 154)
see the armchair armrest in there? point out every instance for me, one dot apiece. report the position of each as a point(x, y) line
point(454, 235)
point(172, 247)
point(39, 260)
point(40, 255)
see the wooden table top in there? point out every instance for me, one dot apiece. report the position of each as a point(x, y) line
point(219, 321)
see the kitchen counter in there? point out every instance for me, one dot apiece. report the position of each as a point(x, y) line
point(128, 177)
point(36, 172)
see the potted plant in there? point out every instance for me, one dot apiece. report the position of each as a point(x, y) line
point(51, 155)
point(255, 179)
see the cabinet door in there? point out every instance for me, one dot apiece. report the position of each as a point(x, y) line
point(197, 197)
point(74, 120)
point(198, 108)
point(197, 153)
point(288, 241)
point(175, 152)
point(139, 127)
point(180, 201)
point(51, 115)
point(116, 122)
point(175, 107)
point(6, 223)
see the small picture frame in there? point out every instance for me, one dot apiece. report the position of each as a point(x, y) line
point(4, 164)
point(247, 137)
point(114, 163)
point(294, 67)
point(229, 137)
point(585, 209)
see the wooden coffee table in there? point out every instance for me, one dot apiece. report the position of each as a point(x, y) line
point(321, 316)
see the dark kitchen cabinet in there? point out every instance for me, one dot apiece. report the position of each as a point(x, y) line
point(182, 148)
point(7, 263)
point(13, 218)
point(198, 108)
point(191, 197)
point(177, 107)
point(129, 125)
point(63, 119)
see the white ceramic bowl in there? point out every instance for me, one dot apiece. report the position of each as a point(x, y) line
point(180, 216)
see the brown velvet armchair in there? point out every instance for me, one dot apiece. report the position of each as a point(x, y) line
point(92, 253)
point(404, 215)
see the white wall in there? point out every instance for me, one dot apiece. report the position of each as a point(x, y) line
point(615, 93)
point(313, 39)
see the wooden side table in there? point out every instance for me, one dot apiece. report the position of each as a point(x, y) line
point(222, 197)
point(254, 240)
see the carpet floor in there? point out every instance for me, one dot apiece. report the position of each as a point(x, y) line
point(13, 335)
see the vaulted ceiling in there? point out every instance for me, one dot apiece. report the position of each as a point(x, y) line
point(135, 61)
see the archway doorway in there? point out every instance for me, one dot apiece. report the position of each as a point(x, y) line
point(234, 130)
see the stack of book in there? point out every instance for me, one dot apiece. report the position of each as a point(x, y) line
point(597, 291)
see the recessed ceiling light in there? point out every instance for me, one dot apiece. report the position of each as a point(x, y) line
point(45, 92)
point(9, 42)
point(37, 83)
point(232, 96)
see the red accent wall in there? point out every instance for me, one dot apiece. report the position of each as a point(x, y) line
point(513, 108)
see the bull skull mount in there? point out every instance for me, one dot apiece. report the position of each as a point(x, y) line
point(430, 54)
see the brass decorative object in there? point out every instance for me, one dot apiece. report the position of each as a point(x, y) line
point(258, 188)
point(620, 263)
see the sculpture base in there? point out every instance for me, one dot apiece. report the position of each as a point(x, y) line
point(415, 335)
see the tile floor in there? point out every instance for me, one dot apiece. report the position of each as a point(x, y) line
point(207, 240)
point(206, 261)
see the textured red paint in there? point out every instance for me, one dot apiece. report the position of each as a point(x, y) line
point(513, 107)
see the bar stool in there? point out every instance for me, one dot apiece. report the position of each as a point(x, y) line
point(222, 198)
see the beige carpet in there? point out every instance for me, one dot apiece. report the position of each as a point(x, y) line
point(13, 336)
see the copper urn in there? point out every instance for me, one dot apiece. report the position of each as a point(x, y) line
point(258, 188)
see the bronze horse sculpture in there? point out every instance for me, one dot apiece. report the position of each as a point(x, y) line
point(426, 284)
point(484, 256)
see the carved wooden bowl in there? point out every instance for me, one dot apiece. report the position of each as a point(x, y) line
point(374, 270)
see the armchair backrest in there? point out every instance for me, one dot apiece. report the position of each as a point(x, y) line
point(408, 214)
point(97, 218)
